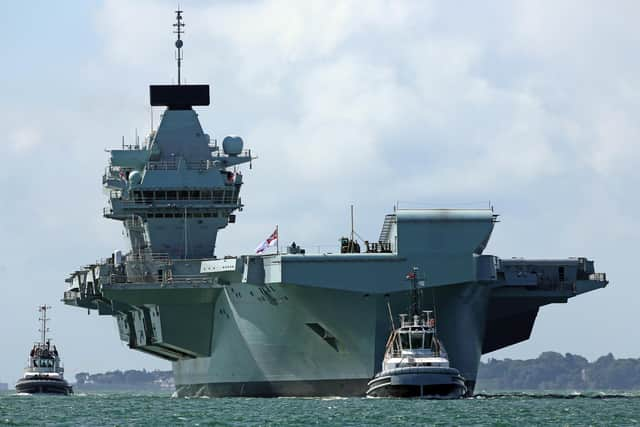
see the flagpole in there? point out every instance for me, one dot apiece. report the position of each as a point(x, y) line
point(278, 240)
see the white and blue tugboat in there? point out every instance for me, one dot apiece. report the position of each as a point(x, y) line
point(44, 372)
point(415, 362)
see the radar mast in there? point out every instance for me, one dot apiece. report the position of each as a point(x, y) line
point(178, 25)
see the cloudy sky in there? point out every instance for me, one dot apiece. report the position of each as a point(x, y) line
point(531, 106)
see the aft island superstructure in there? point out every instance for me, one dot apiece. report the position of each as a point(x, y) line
point(294, 323)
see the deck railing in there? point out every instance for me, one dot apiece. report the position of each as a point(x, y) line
point(599, 277)
point(162, 165)
point(150, 256)
point(222, 196)
point(70, 295)
point(164, 279)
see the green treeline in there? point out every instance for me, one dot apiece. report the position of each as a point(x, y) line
point(550, 371)
point(553, 371)
point(131, 378)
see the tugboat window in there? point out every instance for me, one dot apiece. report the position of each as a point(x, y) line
point(404, 340)
point(416, 340)
point(428, 339)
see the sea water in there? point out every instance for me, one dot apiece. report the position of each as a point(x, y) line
point(496, 409)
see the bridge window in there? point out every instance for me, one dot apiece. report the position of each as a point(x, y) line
point(171, 195)
point(561, 273)
point(184, 195)
point(404, 341)
point(206, 195)
point(161, 195)
point(417, 340)
point(428, 340)
point(195, 195)
point(218, 196)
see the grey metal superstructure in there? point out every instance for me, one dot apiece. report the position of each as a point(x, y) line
point(293, 323)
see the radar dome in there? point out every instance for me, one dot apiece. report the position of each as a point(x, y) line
point(232, 145)
point(135, 178)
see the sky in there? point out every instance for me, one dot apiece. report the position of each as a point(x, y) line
point(529, 106)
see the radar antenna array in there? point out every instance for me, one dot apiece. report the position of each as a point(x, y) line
point(178, 30)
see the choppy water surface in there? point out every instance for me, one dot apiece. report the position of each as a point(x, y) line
point(499, 409)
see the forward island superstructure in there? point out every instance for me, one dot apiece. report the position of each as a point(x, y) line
point(291, 324)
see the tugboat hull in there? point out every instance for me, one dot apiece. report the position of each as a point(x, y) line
point(43, 386)
point(422, 382)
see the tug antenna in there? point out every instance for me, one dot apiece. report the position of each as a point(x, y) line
point(43, 323)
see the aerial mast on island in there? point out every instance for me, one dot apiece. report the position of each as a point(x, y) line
point(178, 25)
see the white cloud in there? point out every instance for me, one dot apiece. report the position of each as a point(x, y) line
point(367, 92)
point(616, 146)
point(24, 139)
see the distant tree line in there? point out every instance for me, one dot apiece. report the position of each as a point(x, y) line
point(553, 371)
point(550, 371)
point(132, 377)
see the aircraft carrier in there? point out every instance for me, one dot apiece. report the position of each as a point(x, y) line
point(294, 323)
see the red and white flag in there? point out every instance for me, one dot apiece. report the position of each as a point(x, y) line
point(271, 240)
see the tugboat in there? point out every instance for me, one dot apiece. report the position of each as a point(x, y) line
point(415, 363)
point(44, 372)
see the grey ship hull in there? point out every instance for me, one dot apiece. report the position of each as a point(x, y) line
point(268, 348)
point(309, 325)
point(43, 385)
point(420, 381)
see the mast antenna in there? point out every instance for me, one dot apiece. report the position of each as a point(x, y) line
point(43, 323)
point(416, 294)
point(178, 25)
point(352, 229)
point(393, 327)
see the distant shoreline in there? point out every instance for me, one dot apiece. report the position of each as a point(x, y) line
point(129, 380)
point(549, 371)
point(554, 371)
point(115, 388)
